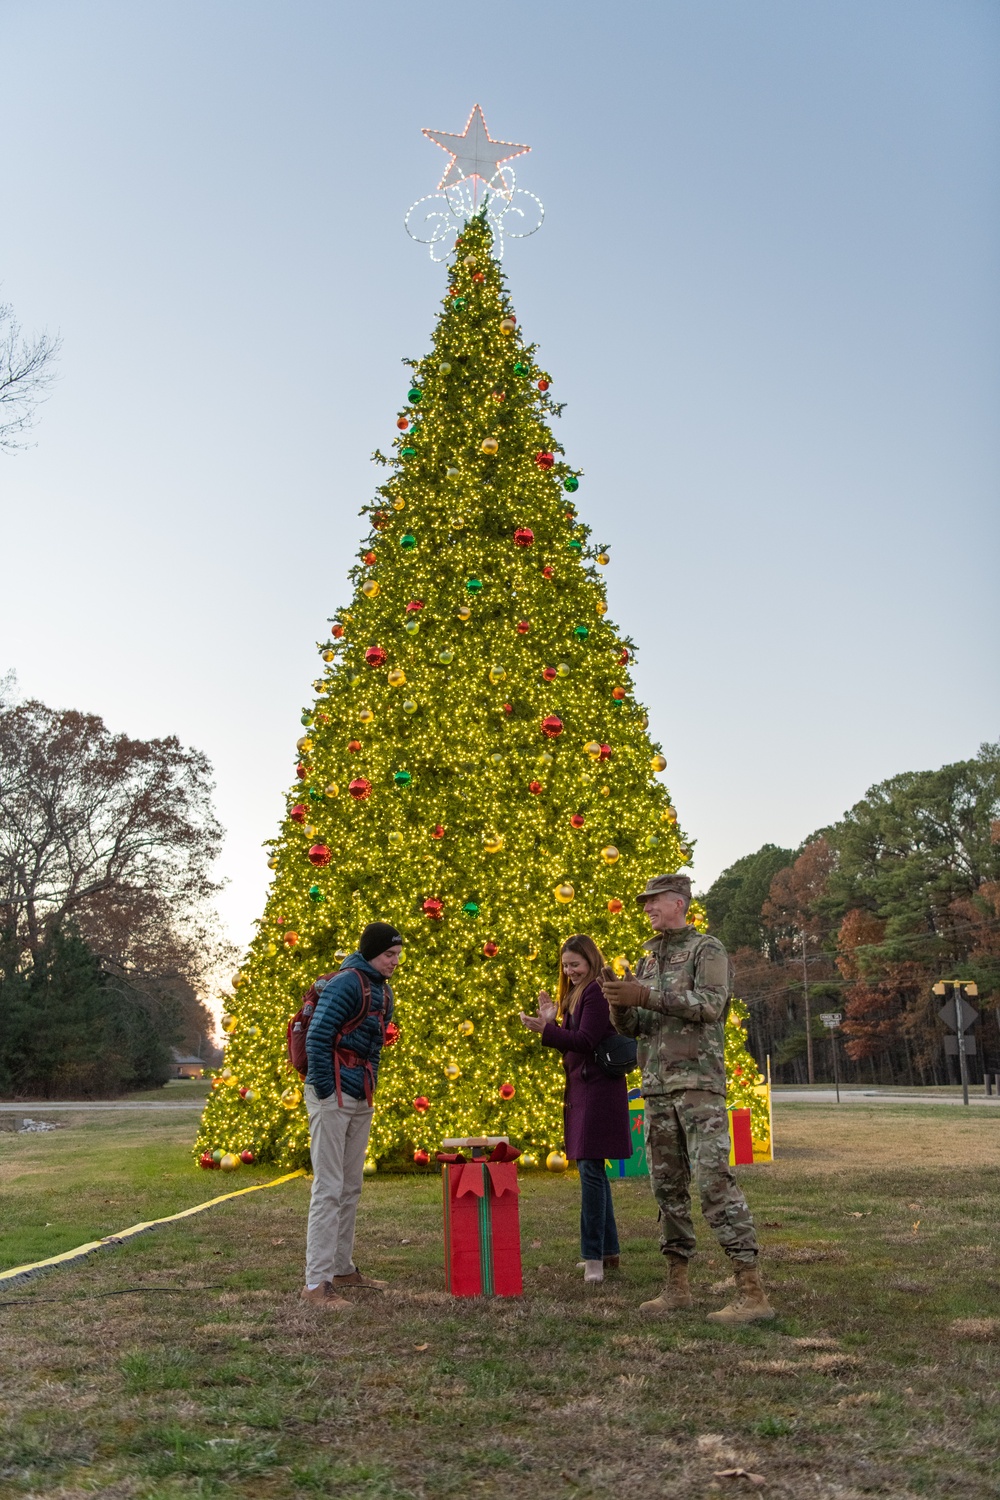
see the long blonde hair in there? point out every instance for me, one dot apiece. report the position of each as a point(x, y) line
point(568, 995)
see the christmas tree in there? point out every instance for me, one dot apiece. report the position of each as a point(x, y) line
point(474, 766)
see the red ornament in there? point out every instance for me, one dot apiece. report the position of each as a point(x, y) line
point(614, 906)
point(414, 605)
point(433, 908)
point(322, 718)
point(402, 423)
point(479, 276)
point(359, 788)
point(507, 1091)
point(490, 950)
point(548, 571)
point(534, 787)
point(523, 536)
point(545, 460)
point(374, 656)
point(552, 727)
point(337, 630)
point(577, 820)
point(508, 708)
point(523, 626)
point(618, 693)
point(246, 1157)
point(380, 520)
point(550, 674)
point(623, 658)
point(320, 855)
point(421, 1104)
point(605, 753)
point(300, 771)
point(543, 385)
point(391, 1034)
point(298, 813)
point(291, 938)
point(242, 1092)
point(354, 746)
point(421, 1157)
point(437, 832)
point(205, 1159)
point(370, 559)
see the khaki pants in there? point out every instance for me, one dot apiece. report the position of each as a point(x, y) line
point(338, 1144)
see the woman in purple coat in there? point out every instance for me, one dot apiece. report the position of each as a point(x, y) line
point(595, 1110)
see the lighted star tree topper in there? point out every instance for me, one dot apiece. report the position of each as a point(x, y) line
point(473, 765)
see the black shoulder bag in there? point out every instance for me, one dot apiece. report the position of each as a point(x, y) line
point(616, 1055)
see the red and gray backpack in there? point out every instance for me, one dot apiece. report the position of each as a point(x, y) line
point(343, 1056)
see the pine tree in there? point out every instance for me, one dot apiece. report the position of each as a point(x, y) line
point(475, 767)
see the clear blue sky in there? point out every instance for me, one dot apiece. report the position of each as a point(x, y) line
point(767, 288)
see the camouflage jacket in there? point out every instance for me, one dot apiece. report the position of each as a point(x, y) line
point(680, 1029)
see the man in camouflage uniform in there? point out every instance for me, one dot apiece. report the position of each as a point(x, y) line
point(675, 1005)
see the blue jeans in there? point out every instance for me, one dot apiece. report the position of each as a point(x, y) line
point(598, 1230)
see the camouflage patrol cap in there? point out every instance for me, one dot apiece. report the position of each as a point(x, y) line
point(661, 885)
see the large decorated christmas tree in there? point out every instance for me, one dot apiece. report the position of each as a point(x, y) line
point(473, 765)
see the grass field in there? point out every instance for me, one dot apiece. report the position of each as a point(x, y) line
point(879, 1378)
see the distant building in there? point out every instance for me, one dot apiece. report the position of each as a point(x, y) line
point(186, 1067)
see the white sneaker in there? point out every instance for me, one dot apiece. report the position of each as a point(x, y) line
point(593, 1270)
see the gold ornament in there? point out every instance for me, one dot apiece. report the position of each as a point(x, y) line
point(366, 716)
point(605, 791)
point(563, 669)
point(526, 1159)
point(249, 1096)
point(545, 759)
point(444, 368)
point(228, 1024)
point(492, 842)
point(452, 1071)
point(603, 559)
point(369, 1166)
point(409, 707)
point(308, 829)
point(601, 607)
point(395, 839)
point(229, 1162)
point(331, 789)
point(669, 815)
point(507, 325)
point(397, 677)
point(497, 674)
point(620, 964)
point(464, 613)
point(272, 863)
point(531, 955)
point(564, 893)
point(593, 749)
point(292, 1098)
point(237, 980)
point(457, 522)
point(490, 446)
point(659, 763)
point(370, 588)
point(466, 1028)
point(329, 655)
point(272, 949)
point(610, 855)
point(399, 504)
point(303, 744)
point(556, 1162)
point(341, 954)
point(451, 473)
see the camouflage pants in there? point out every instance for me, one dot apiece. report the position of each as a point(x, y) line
point(688, 1134)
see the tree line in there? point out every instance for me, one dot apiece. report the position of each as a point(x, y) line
point(107, 934)
point(863, 919)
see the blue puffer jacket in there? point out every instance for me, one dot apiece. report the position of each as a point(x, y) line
point(340, 1001)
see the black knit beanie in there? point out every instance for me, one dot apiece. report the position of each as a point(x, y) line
point(376, 938)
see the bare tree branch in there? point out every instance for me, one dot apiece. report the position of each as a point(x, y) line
point(27, 370)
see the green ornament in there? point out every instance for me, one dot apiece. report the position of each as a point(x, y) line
point(407, 452)
point(402, 778)
point(474, 585)
point(353, 679)
point(315, 894)
point(446, 657)
point(458, 302)
point(571, 483)
point(408, 541)
point(575, 546)
point(411, 627)
point(652, 841)
point(471, 909)
point(581, 632)
point(444, 368)
point(414, 394)
point(306, 720)
point(217, 1154)
point(315, 796)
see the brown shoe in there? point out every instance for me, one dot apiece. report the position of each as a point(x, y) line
point(612, 1262)
point(324, 1296)
point(355, 1278)
point(750, 1304)
point(676, 1295)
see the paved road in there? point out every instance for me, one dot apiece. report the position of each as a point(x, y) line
point(875, 1096)
point(43, 1107)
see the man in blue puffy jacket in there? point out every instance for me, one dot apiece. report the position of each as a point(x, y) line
point(343, 1045)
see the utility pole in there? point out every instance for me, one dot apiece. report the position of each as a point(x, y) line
point(805, 996)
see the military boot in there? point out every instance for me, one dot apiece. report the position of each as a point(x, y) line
point(750, 1304)
point(676, 1295)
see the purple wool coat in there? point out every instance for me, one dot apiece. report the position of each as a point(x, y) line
point(595, 1110)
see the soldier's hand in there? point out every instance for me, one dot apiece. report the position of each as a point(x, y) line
point(622, 993)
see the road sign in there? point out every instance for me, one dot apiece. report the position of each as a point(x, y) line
point(965, 1010)
point(831, 1018)
point(951, 1045)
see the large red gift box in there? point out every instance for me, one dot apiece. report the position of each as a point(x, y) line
point(482, 1233)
